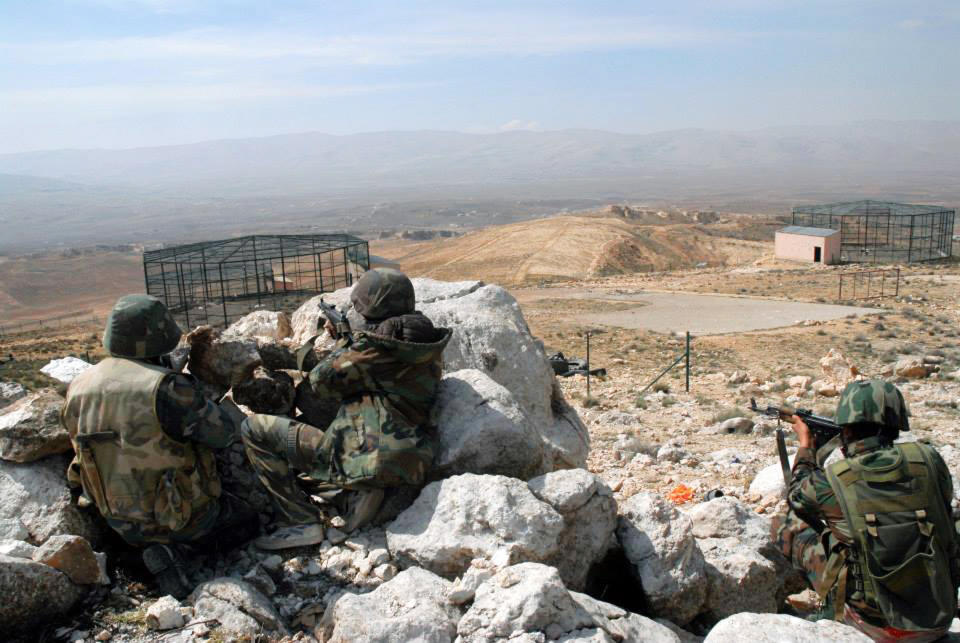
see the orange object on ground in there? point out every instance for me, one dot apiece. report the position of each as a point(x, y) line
point(680, 494)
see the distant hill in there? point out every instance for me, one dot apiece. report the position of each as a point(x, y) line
point(569, 247)
point(322, 163)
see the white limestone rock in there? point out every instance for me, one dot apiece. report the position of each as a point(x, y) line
point(465, 587)
point(738, 546)
point(739, 579)
point(13, 529)
point(65, 369)
point(800, 382)
point(36, 494)
point(10, 392)
point(431, 290)
point(659, 543)
point(165, 614)
point(622, 625)
point(261, 324)
point(672, 453)
point(590, 521)
point(413, 606)
point(781, 628)
point(17, 549)
point(481, 429)
point(769, 480)
point(528, 597)
point(739, 425)
point(837, 369)
point(528, 602)
point(491, 335)
point(30, 428)
point(238, 607)
point(457, 520)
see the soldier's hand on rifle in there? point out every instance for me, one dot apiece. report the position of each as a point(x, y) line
point(331, 329)
point(804, 437)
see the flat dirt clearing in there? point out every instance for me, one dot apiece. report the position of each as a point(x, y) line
point(700, 314)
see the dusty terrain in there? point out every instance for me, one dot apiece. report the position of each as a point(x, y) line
point(922, 321)
point(50, 285)
point(576, 247)
point(656, 439)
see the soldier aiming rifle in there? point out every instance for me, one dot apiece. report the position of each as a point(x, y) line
point(873, 532)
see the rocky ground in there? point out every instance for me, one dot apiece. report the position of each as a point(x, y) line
point(527, 533)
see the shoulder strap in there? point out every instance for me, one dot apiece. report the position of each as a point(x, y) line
point(304, 351)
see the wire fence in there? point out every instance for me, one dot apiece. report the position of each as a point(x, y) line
point(868, 284)
point(25, 326)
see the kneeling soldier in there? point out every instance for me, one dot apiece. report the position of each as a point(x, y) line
point(143, 436)
point(386, 380)
point(873, 532)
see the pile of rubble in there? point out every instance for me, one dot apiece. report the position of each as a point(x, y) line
point(512, 539)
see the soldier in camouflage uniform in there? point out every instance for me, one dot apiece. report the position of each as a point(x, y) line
point(385, 376)
point(816, 534)
point(143, 436)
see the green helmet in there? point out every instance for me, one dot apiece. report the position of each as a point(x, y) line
point(873, 401)
point(383, 293)
point(140, 326)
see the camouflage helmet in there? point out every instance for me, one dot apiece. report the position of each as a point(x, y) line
point(873, 401)
point(140, 326)
point(383, 293)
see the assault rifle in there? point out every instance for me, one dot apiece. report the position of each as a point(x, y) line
point(824, 430)
point(338, 319)
point(306, 357)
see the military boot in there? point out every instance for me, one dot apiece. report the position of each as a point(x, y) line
point(362, 507)
point(167, 568)
point(291, 536)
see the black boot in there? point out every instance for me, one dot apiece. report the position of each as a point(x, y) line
point(167, 568)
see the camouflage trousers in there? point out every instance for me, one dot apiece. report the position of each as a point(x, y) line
point(801, 545)
point(279, 448)
point(227, 523)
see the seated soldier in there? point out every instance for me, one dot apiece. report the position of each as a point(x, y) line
point(143, 436)
point(873, 532)
point(386, 380)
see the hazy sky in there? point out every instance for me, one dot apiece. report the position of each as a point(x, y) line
point(123, 73)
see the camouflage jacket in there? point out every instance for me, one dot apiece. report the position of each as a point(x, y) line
point(813, 499)
point(381, 435)
point(182, 415)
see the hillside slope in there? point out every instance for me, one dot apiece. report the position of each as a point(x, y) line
point(566, 247)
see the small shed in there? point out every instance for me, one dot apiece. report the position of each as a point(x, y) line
point(813, 245)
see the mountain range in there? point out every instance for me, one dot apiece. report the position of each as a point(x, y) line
point(240, 179)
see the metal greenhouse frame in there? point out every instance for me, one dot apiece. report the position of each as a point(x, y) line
point(884, 232)
point(217, 282)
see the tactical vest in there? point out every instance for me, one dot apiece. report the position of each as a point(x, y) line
point(902, 561)
point(131, 469)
